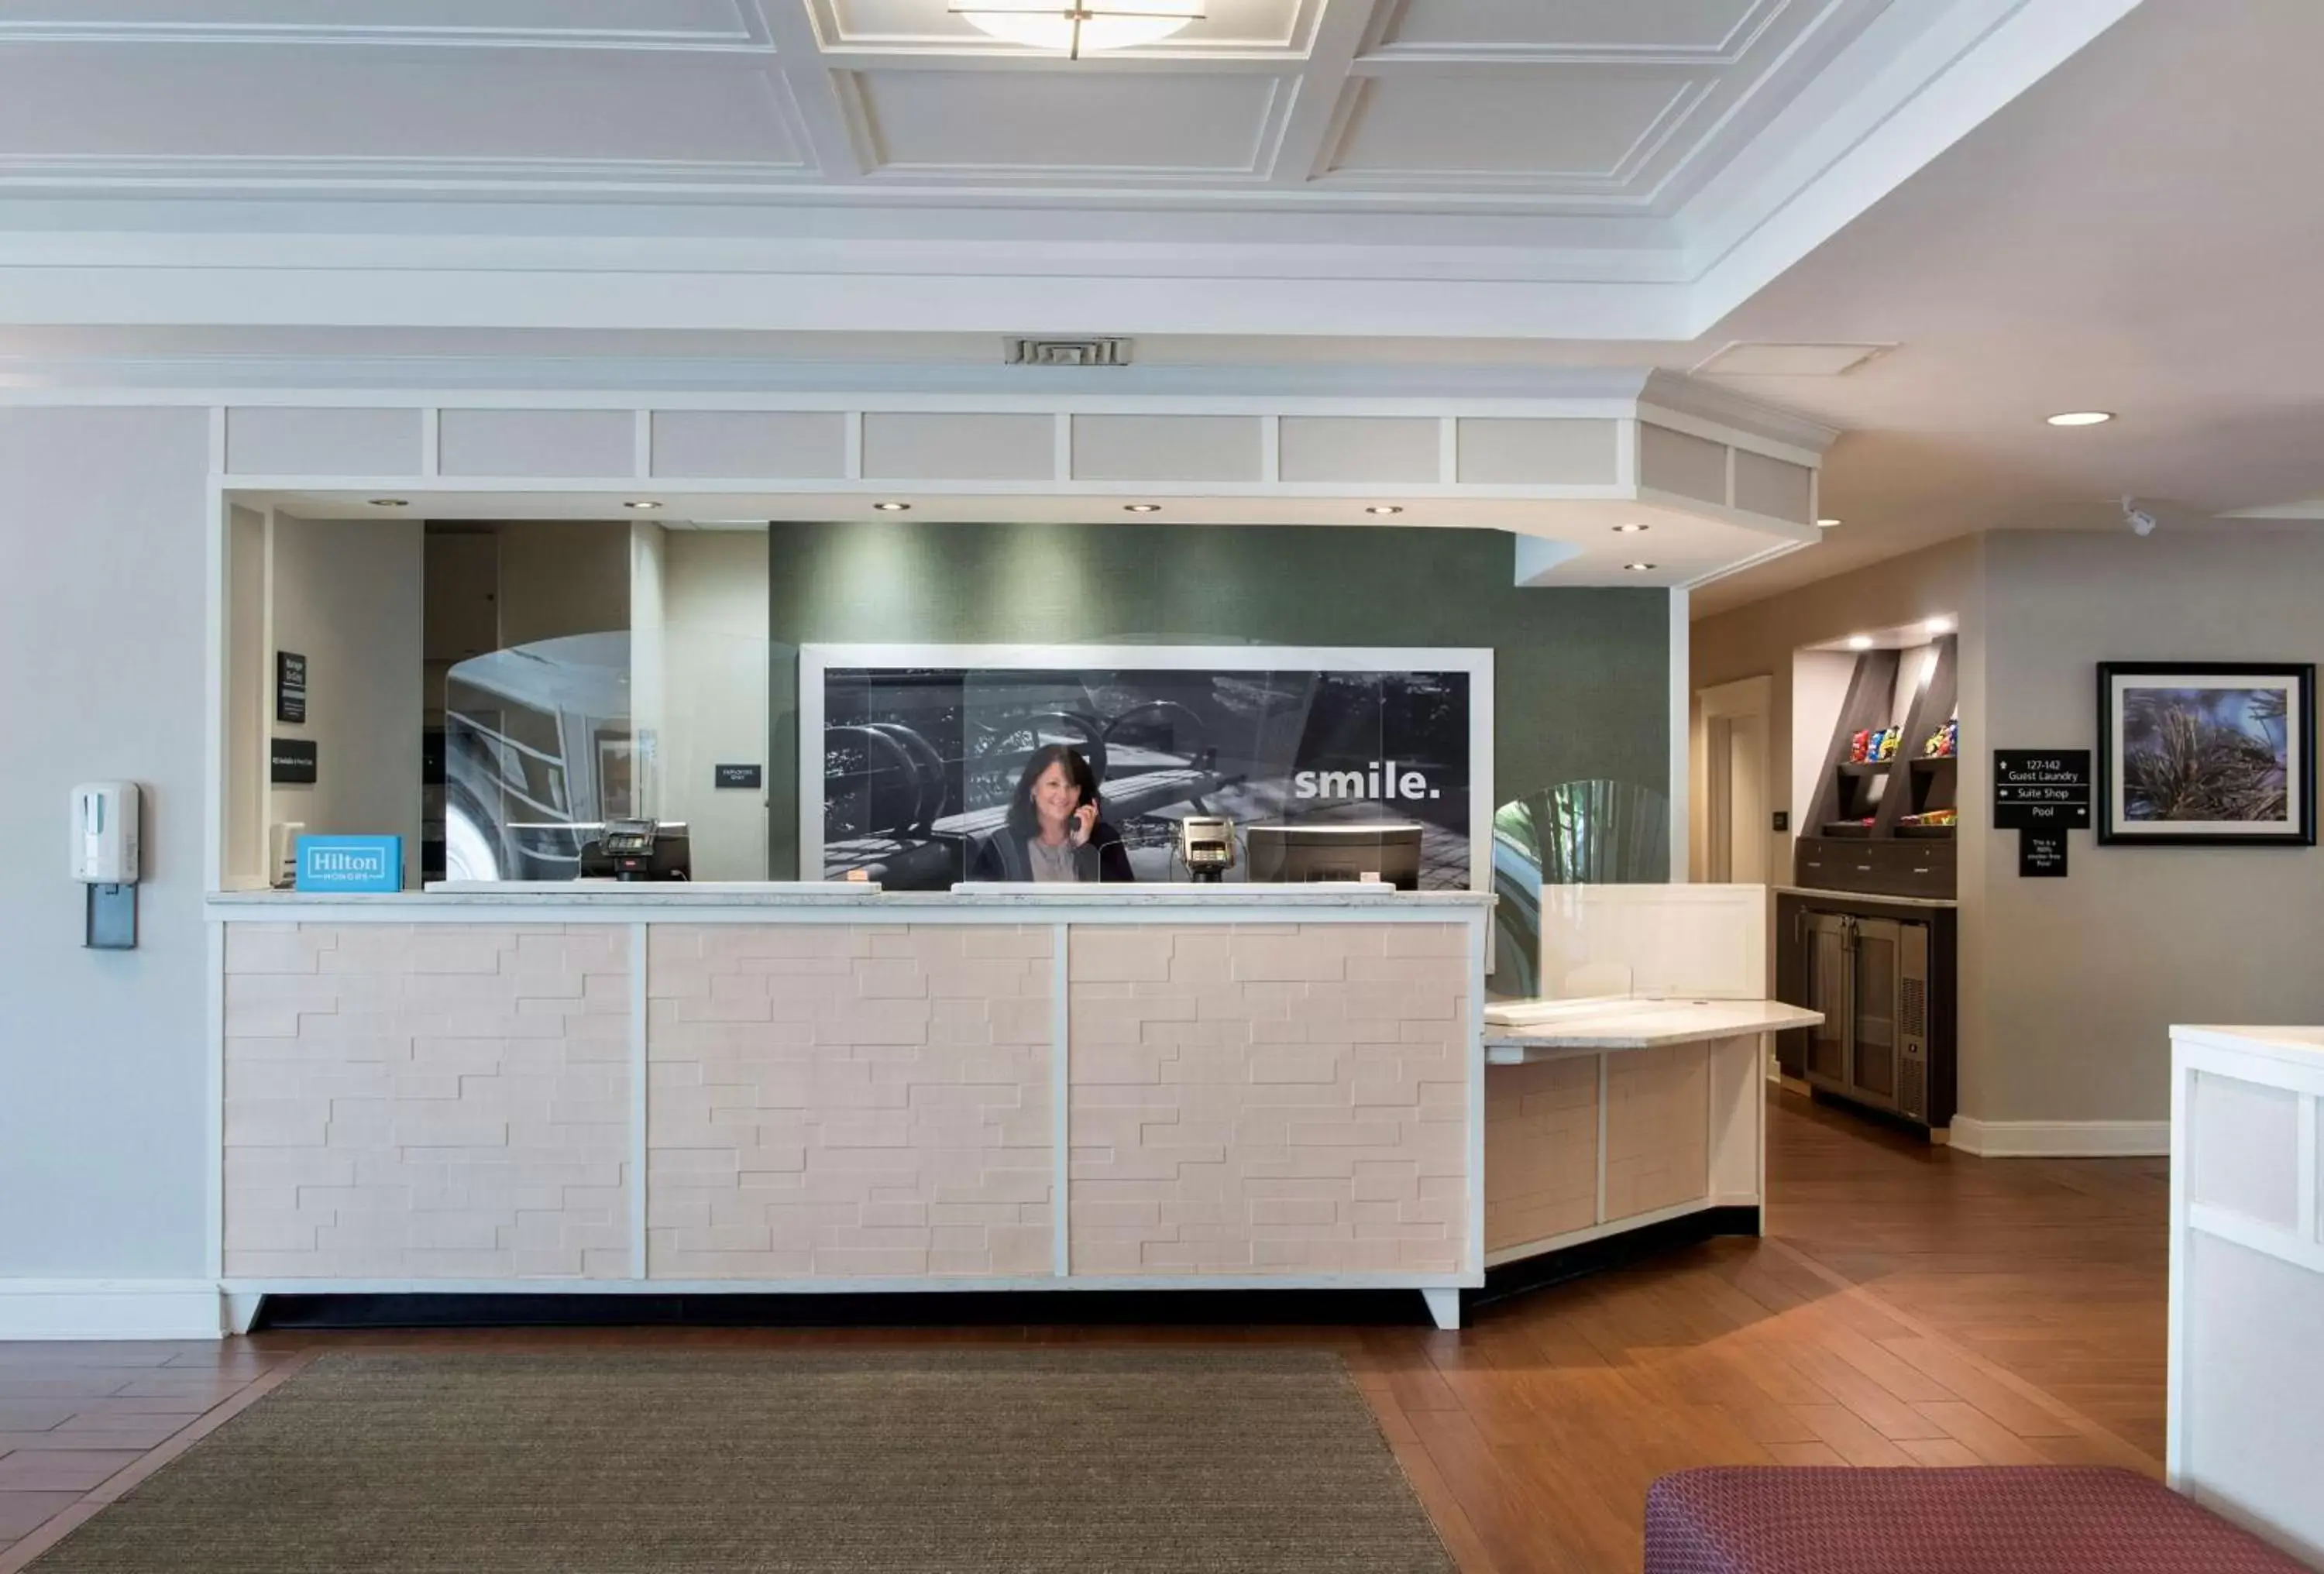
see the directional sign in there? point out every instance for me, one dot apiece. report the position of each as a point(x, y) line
point(2040, 789)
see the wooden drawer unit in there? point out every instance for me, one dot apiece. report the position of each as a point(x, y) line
point(1879, 867)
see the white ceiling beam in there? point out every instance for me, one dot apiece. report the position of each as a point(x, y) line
point(1316, 105)
point(1133, 303)
point(830, 116)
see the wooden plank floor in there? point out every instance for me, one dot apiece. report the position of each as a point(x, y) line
point(1910, 1305)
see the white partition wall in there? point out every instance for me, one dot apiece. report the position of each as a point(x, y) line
point(1707, 942)
point(2246, 1363)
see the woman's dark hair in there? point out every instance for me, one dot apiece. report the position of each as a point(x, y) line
point(1024, 823)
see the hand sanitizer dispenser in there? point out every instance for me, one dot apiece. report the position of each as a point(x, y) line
point(105, 860)
point(105, 833)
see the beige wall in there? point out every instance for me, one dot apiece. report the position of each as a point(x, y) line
point(1762, 638)
point(560, 577)
point(715, 606)
point(2068, 987)
point(2081, 978)
point(348, 596)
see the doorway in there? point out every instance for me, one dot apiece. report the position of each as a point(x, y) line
point(1736, 842)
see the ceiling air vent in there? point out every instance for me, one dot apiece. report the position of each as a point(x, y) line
point(1098, 352)
point(1749, 359)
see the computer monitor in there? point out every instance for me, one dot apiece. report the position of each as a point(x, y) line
point(1299, 854)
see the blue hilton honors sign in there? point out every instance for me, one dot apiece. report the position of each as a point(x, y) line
point(350, 863)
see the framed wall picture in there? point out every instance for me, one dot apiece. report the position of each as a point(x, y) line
point(2207, 753)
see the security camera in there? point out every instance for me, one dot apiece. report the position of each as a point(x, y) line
point(2140, 522)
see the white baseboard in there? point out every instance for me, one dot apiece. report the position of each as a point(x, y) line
point(54, 1309)
point(2061, 1139)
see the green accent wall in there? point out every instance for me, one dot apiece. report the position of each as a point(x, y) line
point(1581, 677)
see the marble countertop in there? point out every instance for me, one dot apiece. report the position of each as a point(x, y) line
point(855, 896)
point(1519, 1031)
point(2299, 1045)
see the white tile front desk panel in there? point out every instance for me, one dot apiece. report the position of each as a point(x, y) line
point(827, 1092)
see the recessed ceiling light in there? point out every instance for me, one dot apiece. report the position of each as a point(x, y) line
point(892, 508)
point(1141, 508)
point(1827, 524)
point(1859, 641)
point(1385, 508)
point(1637, 568)
point(390, 503)
point(641, 504)
point(1630, 530)
point(2082, 418)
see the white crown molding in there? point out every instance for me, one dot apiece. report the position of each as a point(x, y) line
point(693, 381)
point(748, 32)
point(1683, 396)
point(2031, 1139)
point(108, 1309)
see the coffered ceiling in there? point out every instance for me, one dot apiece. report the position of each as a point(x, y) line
point(1584, 105)
point(1536, 167)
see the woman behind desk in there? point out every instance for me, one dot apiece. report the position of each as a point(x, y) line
point(1053, 833)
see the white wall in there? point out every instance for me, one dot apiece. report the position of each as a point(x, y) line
point(104, 1057)
point(714, 611)
point(2083, 977)
point(349, 596)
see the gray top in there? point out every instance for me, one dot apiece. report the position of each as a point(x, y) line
point(1051, 865)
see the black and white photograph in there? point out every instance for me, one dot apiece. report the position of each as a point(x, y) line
point(930, 775)
point(2208, 753)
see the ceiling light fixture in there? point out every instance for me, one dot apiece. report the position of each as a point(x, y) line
point(1859, 641)
point(1637, 568)
point(1141, 508)
point(2082, 418)
point(1827, 524)
point(1385, 508)
point(1631, 529)
point(390, 503)
point(641, 504)
point(893, 508)
point(1091, 26)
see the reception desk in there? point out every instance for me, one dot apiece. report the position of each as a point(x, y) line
point(820, 1088)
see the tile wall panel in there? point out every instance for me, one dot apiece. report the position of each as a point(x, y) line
point(850, 1101)
point(1540, 1148)
point(1257, 1098)
point(426, 1102)
point(1657, 1129)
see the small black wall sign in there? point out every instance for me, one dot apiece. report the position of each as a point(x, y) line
point(738, 776)
point(2040, 789)
point(290, 686)
point(292, 762)
point(2041, 854)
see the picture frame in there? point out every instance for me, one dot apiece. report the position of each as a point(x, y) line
point(2207, 753)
